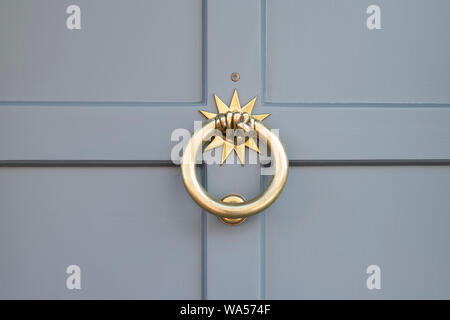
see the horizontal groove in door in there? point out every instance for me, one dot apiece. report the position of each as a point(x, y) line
point(168, 163)
point(368, 162)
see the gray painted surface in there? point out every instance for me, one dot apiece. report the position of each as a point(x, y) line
point(143, 133)
point(234, 253)
point(322, 51)
point(113, 222)
point(125, 51)
point(331, 223)
point(144, 237)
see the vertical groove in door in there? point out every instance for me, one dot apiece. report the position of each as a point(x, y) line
point(204, 52)
point(262, 270)
point(204, 239)
point(263, 51)
point(204, 226)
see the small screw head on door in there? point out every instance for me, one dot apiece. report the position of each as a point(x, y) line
point(235, 76)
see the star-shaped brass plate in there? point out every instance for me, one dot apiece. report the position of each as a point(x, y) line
point(228, 147)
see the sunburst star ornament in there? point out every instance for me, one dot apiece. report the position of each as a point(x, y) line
point(228, 146)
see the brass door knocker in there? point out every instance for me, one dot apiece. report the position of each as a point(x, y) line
point(234, 209)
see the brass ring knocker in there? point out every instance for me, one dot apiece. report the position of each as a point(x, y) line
point(234, 209)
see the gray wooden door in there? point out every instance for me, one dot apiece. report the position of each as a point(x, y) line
point(86, 123)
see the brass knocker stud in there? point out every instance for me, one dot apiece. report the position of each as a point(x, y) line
point(234, 209)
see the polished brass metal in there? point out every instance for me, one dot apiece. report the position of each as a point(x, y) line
point(235, 77)
point(232, 198)
point(234, 117)
point(225, 119)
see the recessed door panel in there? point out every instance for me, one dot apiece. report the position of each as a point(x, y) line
point(133, 232)
point(332, 223)
point(323, 52)
point(139, 51)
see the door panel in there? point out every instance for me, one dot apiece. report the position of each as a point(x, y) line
point(87, 120)
point(91, 132)
point(125, 51)
point(144, 133)
point(327, 132)
point(114, 223)
point(322, 51)
point(331, 223)
point(234, 254)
